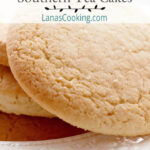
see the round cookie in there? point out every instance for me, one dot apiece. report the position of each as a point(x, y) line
point(3, 54)
point(14, 100)
point(96, 77)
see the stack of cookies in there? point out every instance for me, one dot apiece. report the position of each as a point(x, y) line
point(94, 77)
point(21, 119)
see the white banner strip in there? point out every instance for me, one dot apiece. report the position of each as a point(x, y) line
point(75, 11)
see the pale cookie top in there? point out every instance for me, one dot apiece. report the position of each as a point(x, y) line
point(96, 77)
point(14, 100)
point(3, 54)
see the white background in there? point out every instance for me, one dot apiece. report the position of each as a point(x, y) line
point(8, 8)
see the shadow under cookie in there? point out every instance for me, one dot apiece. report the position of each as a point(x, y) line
point(24, 128)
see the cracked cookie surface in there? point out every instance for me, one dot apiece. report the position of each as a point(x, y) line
point(3, 53)
point(96, 77)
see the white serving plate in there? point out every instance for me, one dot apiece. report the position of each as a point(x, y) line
point(87, 141)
